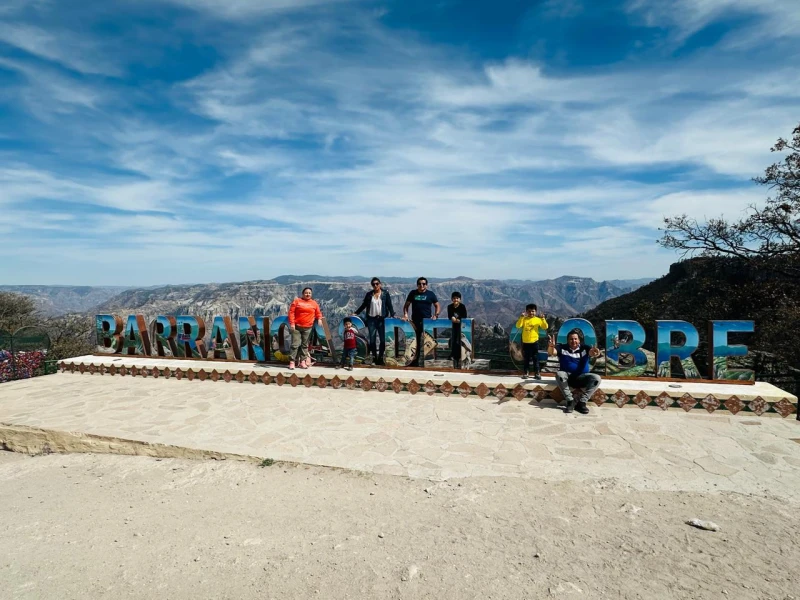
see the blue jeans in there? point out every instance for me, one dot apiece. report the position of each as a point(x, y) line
point(377, 327)
point(348, 356)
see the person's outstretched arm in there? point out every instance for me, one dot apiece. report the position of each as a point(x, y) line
point(364, 304)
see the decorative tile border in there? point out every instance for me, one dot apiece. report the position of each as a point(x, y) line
point(734, 405)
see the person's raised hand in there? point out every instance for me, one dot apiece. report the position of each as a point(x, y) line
point(594, 352)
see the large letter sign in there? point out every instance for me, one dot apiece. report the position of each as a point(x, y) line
point(624, 356)
point(720, 350)
point(109, 334)
point(589, 334)
point(394, 357)
point(665, 350)
point(259, 338)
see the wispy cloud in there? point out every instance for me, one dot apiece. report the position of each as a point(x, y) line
point(68, 49)
point(763, 20)
point(257, 138)
point(248, 9)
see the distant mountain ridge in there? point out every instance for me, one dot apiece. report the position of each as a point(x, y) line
point(54, 300)
point(492, 301)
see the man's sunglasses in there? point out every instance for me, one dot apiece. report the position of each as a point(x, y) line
point(374, 283)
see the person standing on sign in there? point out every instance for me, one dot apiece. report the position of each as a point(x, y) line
point(424, 305)
point(378, 304)
point(303, 313)
point(456, 312)
point(530, 324)
point(573, 369)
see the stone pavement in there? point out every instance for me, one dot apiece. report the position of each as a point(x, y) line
point(424, 436)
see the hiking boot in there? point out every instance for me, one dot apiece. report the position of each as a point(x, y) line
point(291, 365)
point(568, 407)
point(582, 408)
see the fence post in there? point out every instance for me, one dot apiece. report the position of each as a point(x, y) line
point(13, 360)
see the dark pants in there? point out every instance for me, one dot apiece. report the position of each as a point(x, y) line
point(588, 382)
point(530, 352)
point(348, 356)
point(455, 345)
point(419, 361)
point(377, 328)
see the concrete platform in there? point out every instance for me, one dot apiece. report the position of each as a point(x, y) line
point(760, 398)
point(423, 436)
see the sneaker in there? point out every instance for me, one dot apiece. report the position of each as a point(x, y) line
point(303, 364)
point(349, 368)
point(537, 375)
point(291, 365)
point(338, 366)
point(568, 408)
point(524, 375)
point(582, 408)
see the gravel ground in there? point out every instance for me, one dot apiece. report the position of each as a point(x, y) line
point(103, 526)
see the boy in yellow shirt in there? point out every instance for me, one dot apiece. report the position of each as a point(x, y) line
point(530, 324)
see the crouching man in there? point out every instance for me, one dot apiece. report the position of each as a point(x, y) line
point(573, 370)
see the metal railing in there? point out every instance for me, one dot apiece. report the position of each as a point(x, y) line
point(23, 354)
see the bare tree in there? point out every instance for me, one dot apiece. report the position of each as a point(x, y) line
point(16, 311)
point(768, 234)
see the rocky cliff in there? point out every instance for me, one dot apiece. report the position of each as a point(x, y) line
point(492, 301)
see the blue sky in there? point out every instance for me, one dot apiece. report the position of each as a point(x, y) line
point(172, 141)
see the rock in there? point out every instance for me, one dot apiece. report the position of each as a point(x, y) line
point(700, 524)
point(630, 509)
point(410, 573)
point(380, 535)
point(565, 588)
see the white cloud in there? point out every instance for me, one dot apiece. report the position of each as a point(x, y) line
point(48, 94)
point(248, 9)
point(73, 51)
point(776, 18)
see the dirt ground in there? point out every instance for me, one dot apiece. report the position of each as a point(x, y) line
point(101, 526)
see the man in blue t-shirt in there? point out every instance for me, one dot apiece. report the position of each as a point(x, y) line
point(573, 369)
point(424, 305)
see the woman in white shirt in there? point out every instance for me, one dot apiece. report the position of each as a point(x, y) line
point(378, 306)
